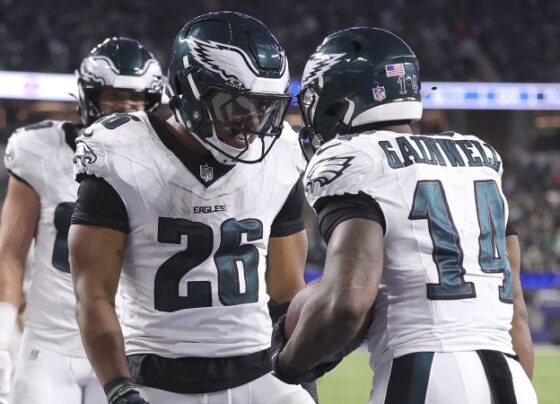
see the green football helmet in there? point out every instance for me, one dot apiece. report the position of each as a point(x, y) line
point(357, 79)
point(228, 84)
point(117, 63)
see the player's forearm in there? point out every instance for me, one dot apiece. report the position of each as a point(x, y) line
point(315, 337)
point(522, 342)
point(11, 279)
point(103, 339)
point(286, 265)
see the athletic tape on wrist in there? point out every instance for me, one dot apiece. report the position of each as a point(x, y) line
point(8, 315)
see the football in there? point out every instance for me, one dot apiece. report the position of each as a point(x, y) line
point(294, 311)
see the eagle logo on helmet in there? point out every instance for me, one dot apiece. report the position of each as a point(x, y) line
point(87, 71)
point(318, 64)
point(230, 62)
point(325, 171)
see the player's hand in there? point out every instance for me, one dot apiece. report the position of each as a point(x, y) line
point(289, 375)
point(5, 376)
point(278, 337)
point(123, 391)
point(292, 376)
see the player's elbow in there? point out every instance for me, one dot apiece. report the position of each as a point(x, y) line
point(82, 308)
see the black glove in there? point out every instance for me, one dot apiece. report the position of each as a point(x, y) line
point(278, 342)
point(123, 391)
point(278, 338)
point(284, 372)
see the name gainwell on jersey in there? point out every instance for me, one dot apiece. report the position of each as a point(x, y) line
point(440, 151)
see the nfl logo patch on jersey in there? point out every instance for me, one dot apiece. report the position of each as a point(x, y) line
point(379, 93)
point(206, 173)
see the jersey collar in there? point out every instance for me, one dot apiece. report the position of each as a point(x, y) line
point(207, 170)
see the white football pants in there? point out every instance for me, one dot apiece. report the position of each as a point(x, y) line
point(454, 377)
point(47, 377)
point(266, 389)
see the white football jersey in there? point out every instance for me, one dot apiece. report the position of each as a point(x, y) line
point(40, 156)
point(446, 282)
point(193, 276)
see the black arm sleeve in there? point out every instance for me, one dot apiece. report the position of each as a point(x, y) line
point(290, 218)
point(333, 210)
point(510, 229)
point(99, 204)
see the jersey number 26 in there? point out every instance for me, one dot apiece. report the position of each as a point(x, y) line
point(238, 279)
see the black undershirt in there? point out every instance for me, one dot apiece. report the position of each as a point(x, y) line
point(510, 229)
point(99, 204)
point(333, 210)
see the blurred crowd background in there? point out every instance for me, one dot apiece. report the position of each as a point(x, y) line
point(477, 40)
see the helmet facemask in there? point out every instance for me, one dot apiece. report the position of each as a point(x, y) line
point(240, 118)
point(307, 100)
point(229, 86)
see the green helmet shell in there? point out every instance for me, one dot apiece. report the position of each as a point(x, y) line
point(230, 53)
point(118, 63)
point(358, 76)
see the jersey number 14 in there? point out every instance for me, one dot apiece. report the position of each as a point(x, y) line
point(430, 203)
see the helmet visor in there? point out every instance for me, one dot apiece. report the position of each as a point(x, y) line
point(246, 112)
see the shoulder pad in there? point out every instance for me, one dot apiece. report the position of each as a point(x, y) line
point(117, 133)
point(34, 141)
point(39, 125)
point(117, 119)
point(40, 128)
point(338, 167)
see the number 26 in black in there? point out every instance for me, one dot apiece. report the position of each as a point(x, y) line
point(237, 265)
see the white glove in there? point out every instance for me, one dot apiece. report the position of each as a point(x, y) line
point(5, 376)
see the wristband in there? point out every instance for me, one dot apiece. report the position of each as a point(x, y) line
point(8, 314)
point(118, 388)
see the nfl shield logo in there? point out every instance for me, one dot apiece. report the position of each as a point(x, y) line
point(206, 172)
point(379, 93)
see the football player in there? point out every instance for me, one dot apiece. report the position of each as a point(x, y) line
point(118, 75)
point(203, 213)
point(416, 223)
